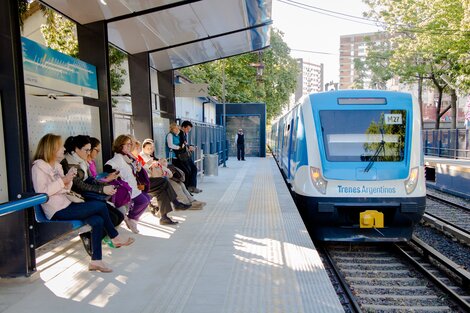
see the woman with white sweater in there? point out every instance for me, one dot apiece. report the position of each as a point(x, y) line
point(131, 172)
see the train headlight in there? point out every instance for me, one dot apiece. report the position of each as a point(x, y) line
point(411, 182)
point(317, 179)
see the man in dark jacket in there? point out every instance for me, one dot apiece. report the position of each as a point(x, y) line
point(240, 142)
point(186, 164)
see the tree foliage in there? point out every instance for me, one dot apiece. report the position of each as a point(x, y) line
point(60, 34)
point(242, 85)
point(375, 66)
point(430, 40)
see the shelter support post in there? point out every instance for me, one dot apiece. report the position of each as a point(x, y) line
point(17, 253)
point(139, 73)
point(93, 48)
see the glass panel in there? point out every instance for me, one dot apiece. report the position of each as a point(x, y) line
point(360, 136)
point(3, 163)
point(251, 129)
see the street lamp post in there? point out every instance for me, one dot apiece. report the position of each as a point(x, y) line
point(224, 120)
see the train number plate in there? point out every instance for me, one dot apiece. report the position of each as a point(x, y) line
point(393, 119)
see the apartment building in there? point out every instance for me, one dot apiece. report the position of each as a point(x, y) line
point(310, 78)
point(354, 47)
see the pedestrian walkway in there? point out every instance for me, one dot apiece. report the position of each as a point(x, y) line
point(246, 251)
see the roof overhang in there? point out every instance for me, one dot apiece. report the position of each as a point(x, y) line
point(177, 34)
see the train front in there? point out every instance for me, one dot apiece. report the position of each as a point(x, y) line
point(365, 167)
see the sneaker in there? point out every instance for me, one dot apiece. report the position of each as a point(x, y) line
point(131, 224)
point(194, 190)
point(86, 240)
point(197, 205)
point(167, 221)
point(180, 206)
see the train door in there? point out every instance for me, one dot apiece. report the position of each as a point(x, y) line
point(290, 148)
point(280, 140)
point(286, 144)
point(293, 144)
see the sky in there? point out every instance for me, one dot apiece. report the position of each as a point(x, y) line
point(312, 31)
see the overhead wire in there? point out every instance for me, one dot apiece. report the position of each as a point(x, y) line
point(367, 21)
point(328, 12)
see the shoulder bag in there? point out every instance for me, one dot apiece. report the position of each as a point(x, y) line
point(74, 197)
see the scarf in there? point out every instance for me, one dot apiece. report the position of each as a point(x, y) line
point(73, 159)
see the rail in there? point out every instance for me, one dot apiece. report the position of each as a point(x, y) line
point(429, 253)
point(18, 205)
point(448, 143)
point(199, 162)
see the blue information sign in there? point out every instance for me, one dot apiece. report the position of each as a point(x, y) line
point(48, 68)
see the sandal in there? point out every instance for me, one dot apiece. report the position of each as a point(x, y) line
point(99, 268)
point(131, 224)
point(129, 241)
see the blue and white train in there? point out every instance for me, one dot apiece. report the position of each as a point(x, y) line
point(354, 162)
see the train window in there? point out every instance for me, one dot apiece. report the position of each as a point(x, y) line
point(376, 101)
point(359, 136)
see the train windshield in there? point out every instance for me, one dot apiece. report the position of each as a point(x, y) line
point(364, 136)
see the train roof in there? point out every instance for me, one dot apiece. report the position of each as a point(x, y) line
point(331, 97)
point(360, 92)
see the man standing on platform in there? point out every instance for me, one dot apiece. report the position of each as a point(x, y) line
point(240, 142)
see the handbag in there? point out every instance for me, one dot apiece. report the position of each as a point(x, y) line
point(89, 195)
point(184, 155)
point(74, 197)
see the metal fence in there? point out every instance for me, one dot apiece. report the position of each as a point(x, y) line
point(447, 143)
point(209, 139)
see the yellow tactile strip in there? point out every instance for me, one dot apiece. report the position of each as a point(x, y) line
point(278, 268)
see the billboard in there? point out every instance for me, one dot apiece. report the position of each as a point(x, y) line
point(47, 68)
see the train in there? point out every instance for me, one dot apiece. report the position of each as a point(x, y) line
point(354, 163)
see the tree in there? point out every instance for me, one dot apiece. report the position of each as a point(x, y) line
point(60, 34)
point(241, 81)
point(360, 73)
point(429, 40)
point(375, 65)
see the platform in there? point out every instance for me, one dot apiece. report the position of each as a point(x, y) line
point(247, 251)
point(449, 175)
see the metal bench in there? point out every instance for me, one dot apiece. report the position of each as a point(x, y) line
point(41, 218)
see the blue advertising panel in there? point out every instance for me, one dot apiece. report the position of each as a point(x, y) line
point(48, 68)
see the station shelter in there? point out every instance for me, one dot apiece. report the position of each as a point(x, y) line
point(159, 37)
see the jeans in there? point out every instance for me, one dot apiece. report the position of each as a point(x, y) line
point(95, 214)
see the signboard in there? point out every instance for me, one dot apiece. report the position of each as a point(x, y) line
point(50, 69)
point(191, 90)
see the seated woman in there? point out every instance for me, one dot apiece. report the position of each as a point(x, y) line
point(121, 199)
point(160, 187)
point(95, 150)
point(176, 179)
point(131, 171)
point(77, 151)
point(48, 177)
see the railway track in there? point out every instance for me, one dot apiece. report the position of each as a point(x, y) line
point(398, 278)
point(450, 217)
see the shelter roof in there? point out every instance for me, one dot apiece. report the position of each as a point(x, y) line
point(175, 33)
